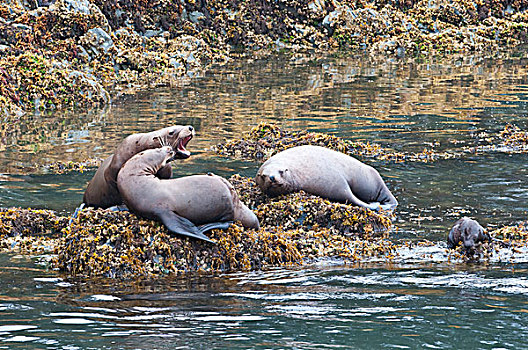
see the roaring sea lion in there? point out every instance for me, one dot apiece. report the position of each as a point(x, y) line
point(325, 173)
point(102, 190)
point(469, 232)
point(182, 203)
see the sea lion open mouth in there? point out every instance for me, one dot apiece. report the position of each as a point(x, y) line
point(181, 152)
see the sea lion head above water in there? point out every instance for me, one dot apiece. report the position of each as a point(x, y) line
point(469, 232)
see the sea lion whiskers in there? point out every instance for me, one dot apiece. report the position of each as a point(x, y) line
point(160, 140)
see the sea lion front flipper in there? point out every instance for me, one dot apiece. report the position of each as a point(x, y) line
point(215, 225)
point(181, 226)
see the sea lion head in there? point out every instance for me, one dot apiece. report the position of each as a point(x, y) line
point(177, 137)
point(275, 179)
point(152, 160)
point(469, 232)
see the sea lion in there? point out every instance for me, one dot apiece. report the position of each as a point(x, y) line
point(102, 190)
point(326, 173)
point(469, 232)
point(182, 203)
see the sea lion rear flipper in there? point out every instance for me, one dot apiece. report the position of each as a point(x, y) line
point(181, 226)
point(215, 225)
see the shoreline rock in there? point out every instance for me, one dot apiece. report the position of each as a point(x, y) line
point(121, 245)
point(76, 53)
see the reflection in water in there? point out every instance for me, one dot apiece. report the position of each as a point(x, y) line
point(405, 106)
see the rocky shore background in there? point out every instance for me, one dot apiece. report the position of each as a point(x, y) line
point(58, 54)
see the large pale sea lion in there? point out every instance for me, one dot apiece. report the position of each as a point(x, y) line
point(325, 173)
point(102, 191)
point(184, 203)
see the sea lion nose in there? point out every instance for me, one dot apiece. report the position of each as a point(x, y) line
point(272, 178)
point(191, 128)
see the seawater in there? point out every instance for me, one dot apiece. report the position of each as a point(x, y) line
point(440, 104)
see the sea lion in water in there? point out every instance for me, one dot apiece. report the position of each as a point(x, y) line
point(182, 203)
point(326, 173)
point(469, 232)
point(102, 190)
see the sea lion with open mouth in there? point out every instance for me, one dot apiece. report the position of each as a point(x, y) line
point(102, 191)
point(325, 173)
point(182, 204)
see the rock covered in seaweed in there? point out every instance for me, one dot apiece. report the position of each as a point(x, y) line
point(30, 230)
point(107, 47)
point(265, 140)
point(118, 244)
point(511, 139)
point(301, 210)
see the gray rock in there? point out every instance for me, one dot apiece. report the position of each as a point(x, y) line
point(150, 33)
point(175, 63)
point(196, 16)
point(22, 26)
point(100, 39)
point(316, 6)
point(82, 6)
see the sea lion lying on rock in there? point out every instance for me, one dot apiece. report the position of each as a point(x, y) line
point(469, 232)
point(182, 203)
point(325, 173)
point(102, 190)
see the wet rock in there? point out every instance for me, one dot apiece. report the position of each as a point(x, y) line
point(265, 140)
point(76, 6)
point(94, 41)
point(196, 16)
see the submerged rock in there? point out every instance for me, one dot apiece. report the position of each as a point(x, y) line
point(511, 139)
point(265, 140)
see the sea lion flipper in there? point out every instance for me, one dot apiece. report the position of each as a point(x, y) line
point(181, 226)
point(215, 225)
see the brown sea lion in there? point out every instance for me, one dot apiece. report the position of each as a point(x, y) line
point(469, 232)
point(102, 190)
point(182, 203)
point(325, 173)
